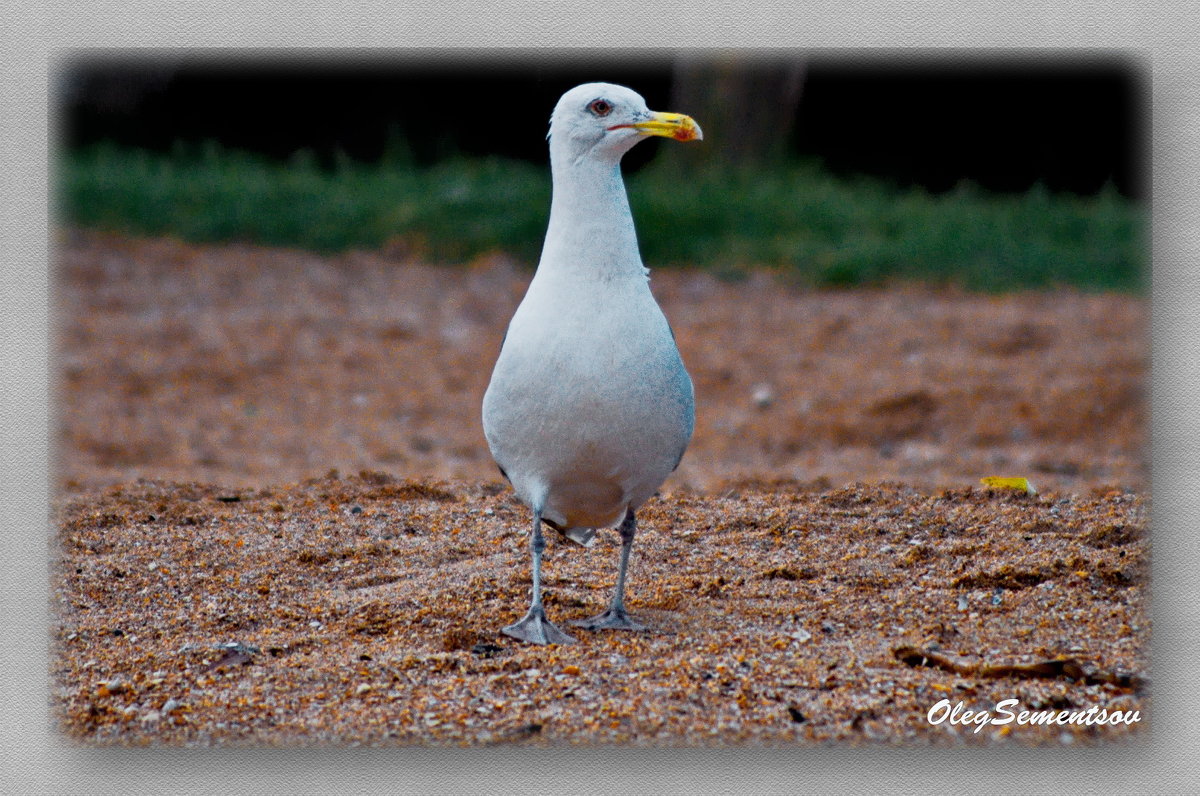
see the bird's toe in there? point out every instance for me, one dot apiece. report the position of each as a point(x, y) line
point(609, 620)
point(535, 628)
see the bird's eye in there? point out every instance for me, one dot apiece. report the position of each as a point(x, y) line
point(600, 107)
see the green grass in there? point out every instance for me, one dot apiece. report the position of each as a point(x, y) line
point(820, 229)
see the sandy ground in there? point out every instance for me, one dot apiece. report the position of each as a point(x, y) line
point(279, 523)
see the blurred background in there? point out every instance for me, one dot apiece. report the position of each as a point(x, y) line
point(926, 270)
point(804, 159)
point(1005, 125)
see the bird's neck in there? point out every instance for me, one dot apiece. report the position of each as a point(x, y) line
point(591, 233)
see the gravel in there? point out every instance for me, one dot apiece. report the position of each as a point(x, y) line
point(278, 523)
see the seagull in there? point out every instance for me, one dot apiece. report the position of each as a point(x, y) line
point(589, 407)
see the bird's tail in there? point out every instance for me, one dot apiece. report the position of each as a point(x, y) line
point(581, 536)
point(585, 537)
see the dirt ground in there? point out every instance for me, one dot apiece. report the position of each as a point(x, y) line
point(279, 522)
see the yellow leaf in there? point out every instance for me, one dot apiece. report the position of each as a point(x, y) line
point(1018, 484)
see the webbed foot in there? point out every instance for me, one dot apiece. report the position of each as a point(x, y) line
point(535, 628)
point(611, 619)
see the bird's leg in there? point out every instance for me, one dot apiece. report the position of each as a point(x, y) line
point(614, 617)
point(534, 627)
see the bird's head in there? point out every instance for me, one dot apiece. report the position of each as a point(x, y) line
point(603, 121)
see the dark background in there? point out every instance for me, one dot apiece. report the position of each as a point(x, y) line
point(1071, 123)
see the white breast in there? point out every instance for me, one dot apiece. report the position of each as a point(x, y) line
point(590, 407)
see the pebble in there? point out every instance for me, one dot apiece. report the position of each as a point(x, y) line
point(485, 650)
point(115, 685)
point(763, 395)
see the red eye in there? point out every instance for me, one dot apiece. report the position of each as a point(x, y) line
point(600, 107)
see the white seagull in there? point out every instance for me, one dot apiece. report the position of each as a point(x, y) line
point(590, 408)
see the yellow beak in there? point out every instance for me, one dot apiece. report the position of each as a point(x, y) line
point(669, 125)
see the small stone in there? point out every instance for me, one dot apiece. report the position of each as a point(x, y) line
point(485, 650)
point(763, 395)
point(363, 688)
point(528, 730)
point(113, 686)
